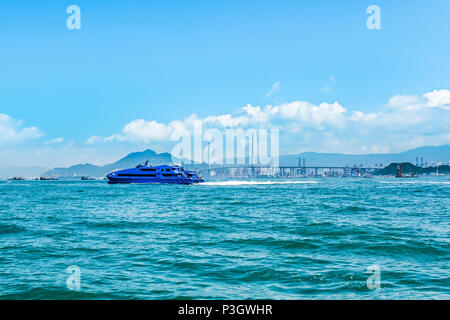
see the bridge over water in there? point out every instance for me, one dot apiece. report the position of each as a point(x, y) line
point(225, 171)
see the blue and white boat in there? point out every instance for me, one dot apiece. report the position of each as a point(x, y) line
point(145, 173)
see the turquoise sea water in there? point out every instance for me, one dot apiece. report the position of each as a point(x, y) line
point(306, 239)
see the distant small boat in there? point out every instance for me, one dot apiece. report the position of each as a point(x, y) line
point(401, 175)
point(48, 178)
point(16, 179)
point(86, 178)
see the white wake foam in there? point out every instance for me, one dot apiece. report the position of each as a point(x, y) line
point(415, 182)
point(245, 183)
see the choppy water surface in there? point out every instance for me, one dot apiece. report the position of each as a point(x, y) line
point(306, 239)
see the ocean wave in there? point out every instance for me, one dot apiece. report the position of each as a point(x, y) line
point(54, 293)
point(246, 239)
point(10, 229)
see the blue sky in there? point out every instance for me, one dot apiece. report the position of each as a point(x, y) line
point(166, 60)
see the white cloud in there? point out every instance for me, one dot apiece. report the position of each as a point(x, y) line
point(11, 131)
point(227, 120)
point(275, 88)
point(146, 131)
point(309, 115)
point(258, 115)
point(143, 131)
point(402, 101)
point(432, 99)
point(363, 117)
point(93, 139)
point(406, 121)
point(438, 98)
point(55, 140)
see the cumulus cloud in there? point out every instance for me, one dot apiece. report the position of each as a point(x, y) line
point(312, 115)
point(405, 122)
point(432, 99)
point(438, 98)
point(11, 131)
point(227, 120)
point(146, 130)
point(402, 101)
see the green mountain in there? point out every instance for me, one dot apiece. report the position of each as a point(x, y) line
point(409, 168)
point(391, 170)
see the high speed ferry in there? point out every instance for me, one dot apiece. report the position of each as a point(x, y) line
point(145, 173)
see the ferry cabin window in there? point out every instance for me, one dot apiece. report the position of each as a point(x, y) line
point(168, 170)
point(136, 175)
point(153, 170)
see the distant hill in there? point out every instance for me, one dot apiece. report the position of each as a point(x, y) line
point(409, 168)
point(129, 161)
point(429, 153)
point(135, 158)
point(391, 169)
point(438, 153)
